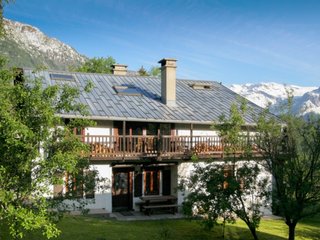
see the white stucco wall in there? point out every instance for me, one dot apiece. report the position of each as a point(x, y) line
point(184, 170)
point(102, 200)
point(184, 132)
point(103, 194)
point(102, 128)
point(264, 174)
point(198, 130)
point(174, 180)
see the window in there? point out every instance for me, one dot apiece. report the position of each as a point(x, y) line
point(228, 173)
point(78, 131)
point(128, 90)
point(80, 185)
point(151, 182)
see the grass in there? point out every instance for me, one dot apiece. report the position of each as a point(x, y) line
point(97, 228)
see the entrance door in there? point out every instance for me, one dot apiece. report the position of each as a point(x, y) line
point(122, 189)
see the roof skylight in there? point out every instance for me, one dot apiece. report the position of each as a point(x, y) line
point(201, 86)
point(62, 77)
point(128, 90)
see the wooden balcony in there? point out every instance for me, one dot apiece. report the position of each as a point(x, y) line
point(168, 147)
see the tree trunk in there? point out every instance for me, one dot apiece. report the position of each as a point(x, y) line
point(223, 229)
point(292, 228)
point(254, 233)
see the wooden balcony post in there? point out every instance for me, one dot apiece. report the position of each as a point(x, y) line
point(123, 139)
point(87, 139)
point(172, 141)
point(222, 146)
point(130, 148)
point(144, 140)
point(158, 142)
point(248, 141)
point(191, 135)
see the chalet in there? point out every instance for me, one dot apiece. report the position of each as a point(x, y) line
point(148, 128)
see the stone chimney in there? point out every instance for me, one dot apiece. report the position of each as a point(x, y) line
point(119, 69)
point(168, 81)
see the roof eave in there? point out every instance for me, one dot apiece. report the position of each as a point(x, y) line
point(112, 118)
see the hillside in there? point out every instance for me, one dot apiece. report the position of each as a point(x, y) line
point(27, 46)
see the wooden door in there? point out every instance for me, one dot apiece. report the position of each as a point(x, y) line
point(122, 189)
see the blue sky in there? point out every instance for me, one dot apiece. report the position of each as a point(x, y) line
point(230, 41)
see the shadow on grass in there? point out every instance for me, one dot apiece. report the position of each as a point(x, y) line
point(235, 232)
point(308, 232)
point(104, 228)
point(194, 231)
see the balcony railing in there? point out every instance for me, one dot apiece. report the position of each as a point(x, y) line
point(133, 147)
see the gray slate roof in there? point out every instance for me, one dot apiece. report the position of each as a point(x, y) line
point(192, 106)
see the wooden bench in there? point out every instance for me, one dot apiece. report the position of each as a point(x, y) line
point(148, 209)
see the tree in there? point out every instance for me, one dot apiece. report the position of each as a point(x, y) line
point(153, 71)
point(291, 147)
point(36, 148)
point(1, 15)
point(142, 71)
point(231, 189)
point(96, 65)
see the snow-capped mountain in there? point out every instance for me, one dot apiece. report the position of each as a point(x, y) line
point(306, 99)
point(27, 46)
point(308, 103)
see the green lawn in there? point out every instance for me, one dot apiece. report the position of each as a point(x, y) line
point(95, 228)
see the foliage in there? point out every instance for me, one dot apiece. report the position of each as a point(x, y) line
point(291, 147)
point(36, 148)
point(153, 71)
point(231, 189)
point(142, 71)
point(96, 65)
point(231, 130)
point(2, 2)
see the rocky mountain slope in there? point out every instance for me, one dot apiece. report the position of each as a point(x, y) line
point(27, 46)
point(306, 99)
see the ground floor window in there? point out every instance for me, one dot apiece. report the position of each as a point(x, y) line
point(120, 183)
point(151, 182)
point(81, 184)
point(228, 172)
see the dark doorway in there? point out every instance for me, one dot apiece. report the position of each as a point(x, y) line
point(122, 189)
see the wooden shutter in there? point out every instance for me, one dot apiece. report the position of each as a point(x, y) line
point(166, 182)
point(137, 184)
point(57, 190)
